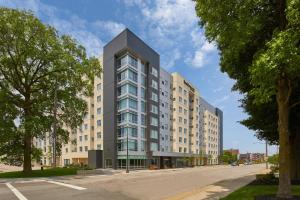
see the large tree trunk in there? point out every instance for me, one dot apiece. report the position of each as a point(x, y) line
point(27, 144)
point(295, 156)
point(284, 189)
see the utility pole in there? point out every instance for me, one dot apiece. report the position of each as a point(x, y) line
point(267, 167)
point(54, 129)
point(127, 167)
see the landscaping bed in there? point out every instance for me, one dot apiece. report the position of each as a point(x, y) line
point(263, 188)
point(40, 173)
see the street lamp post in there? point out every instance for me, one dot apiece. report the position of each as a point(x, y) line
point(127, 167)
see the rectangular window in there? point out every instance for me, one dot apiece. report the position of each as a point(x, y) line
point(143, 133)
point(132, 75)
point(99, 86)
point(154, 72)
point(131, 131)
point(143, 119)
point(85, 137)
point(133, 104)
point(154, 121)
point(99, 122)
point(99, 111)
point(154, 97)
point(143, 106)
point(99, 146)
point(132, 145)
point(154, 134)
point(132, 61)
point(122, 61)
point(143, 68)
point(143, 93)
point(86, 148)
point(154, 84)
point(99, 135)
point(143, 80)
point(153, 146)
point(127, 117)
point(154, 109)
point(132, 90)
point(143, 146)
point(122, 75)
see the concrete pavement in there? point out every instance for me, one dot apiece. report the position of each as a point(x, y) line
point(189, 183)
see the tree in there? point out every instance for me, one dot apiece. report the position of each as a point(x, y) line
point(264, 124)
point(228, 157)
point(259, 47)
point(36, 63)
point(273, 159)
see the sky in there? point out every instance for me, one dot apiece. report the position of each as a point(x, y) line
point(171, 28)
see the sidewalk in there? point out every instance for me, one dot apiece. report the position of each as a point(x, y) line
point(215, 191)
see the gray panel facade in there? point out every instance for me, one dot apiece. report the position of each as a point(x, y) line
point(219, 113)
point(124, 42)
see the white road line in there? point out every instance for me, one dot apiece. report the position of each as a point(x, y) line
point(66, 185)
point(16, 192)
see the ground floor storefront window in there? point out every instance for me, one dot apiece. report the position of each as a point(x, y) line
point(134, 162)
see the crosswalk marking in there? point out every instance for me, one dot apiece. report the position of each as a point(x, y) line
point(66, 185)
point(16, 192)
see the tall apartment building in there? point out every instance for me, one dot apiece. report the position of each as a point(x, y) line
point(137, 107)
point(211, 120)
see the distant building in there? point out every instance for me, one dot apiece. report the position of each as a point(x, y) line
point(253, 157)
point(233, 152)
point(245, 157)
point(258, 157)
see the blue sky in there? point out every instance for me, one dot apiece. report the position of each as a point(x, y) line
point(168, 26)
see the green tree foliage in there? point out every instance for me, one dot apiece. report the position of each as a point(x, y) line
point(36, 63)
point(274, 159)
point(228, 157)
point(259, 48)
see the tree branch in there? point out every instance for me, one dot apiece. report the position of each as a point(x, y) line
point(294, 104)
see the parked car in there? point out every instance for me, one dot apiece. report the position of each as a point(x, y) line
point(235, 164)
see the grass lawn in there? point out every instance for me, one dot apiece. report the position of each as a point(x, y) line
point(40, 173)
point(250, 191)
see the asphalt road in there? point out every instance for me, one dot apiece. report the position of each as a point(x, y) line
point(145, 184)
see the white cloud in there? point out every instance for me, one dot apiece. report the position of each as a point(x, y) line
point(221, 100)
point(208, 47)
point(172, 24)
point(219, 89)
point(172, 57)
point(172, 16)
point(113, 28)
point(72, 25)
point(203, 52)
point(198, 60)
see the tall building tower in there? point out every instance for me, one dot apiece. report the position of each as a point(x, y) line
point(131, 102)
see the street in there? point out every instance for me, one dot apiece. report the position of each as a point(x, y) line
point(168, 184)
